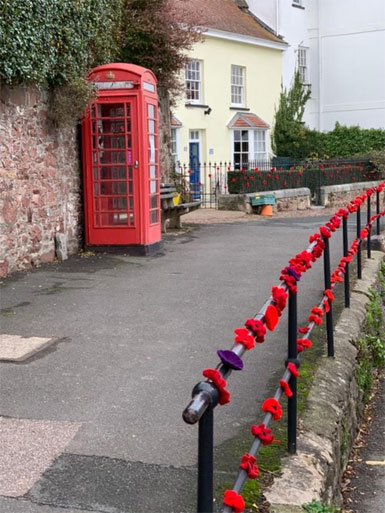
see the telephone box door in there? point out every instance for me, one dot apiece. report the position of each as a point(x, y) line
point(112, 199)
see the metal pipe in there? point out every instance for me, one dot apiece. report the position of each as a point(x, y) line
point(368, 243)
point(345, 246)
point(206, 462)
point(359, 255)
point(329, 315)
point(292, 357)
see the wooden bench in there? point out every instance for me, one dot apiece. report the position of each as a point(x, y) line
point(172, 213)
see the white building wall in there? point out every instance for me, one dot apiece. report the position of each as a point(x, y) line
point(289, 21)
point(347, 41)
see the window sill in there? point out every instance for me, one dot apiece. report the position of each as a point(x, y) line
point(239, 108)
point(298, 6)
point(198, 105)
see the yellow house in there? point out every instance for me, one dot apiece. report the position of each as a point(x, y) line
point(232, 83)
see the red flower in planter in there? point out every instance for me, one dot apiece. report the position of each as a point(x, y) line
point(263, 433)
point(272, 406)
point(286, 388)
point(264, 182)
point(258, 328)
point(268, 176)
point(285, 184)
point(234, 500)
point(271, 317)
point(256, 170)
point(243, 337)
point(321, 166)
point(215, 376)
point(248, 463)
point(233, 180)
point(247, 184)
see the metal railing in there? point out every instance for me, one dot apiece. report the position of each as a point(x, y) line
point(206, 394)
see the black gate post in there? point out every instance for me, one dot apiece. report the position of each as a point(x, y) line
point(345, 244)
point(329, 315)
point(292, 357)
point(206, 462)
point(378, 211)
point(359, 259)
point(368, 220)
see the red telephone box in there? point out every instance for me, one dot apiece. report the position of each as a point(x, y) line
point(121, 159)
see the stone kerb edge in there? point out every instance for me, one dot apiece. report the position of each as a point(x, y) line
point(333, 412)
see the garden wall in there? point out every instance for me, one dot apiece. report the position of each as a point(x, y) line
point(285, 199)
point(39, 181)
point(339, 195)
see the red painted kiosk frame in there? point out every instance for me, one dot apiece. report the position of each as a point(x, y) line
point(121, 159)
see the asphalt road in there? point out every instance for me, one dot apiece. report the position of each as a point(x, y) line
point(133, 336)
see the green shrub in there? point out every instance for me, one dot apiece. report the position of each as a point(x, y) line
point(56, 41)
point(318, 507)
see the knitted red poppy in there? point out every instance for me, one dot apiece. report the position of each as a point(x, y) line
point(280, 297)
point(215, 376)
point(258, 328)
point(290, 281)
point(271, 317)
point(263, 433)
point(305, 343)
point(243, 337)
point(285, 387)
point(317, 311)
point(293, 369)
point(326, 305)
point(314, 318)
point(248, 463)
point(314, 237)
point(272, 406)
point(325, 232)
point(304, 329)
point(364, 233)
point(234, 500)
point(329, 294)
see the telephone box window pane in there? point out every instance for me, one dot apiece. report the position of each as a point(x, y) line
point(97, 220)
point(129, 141)
point(112, 173)
point(113, 188)
point(151, 126)
point(95, 157)
point(96, 189)
point(132, 219)
point(94, 130)
point(131, 203)
point(151, 150)
point(96, 203)
point(107, 126)
point(154, 216)
point(95, 173)
point(128, 106)
point(112, 157)
point(110, 141)
point(128, 125)
point(93, 111)
point(152, 187)
point(111, 110)
point(130, 188)
point(130, 172)
point(119, 203)
point(152, 171)
point(154, 202)
point(151, 111)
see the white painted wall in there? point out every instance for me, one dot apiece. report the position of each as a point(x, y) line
point(288, 21)
point(347, 43)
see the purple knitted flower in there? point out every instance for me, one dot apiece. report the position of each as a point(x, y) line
point(230, 359)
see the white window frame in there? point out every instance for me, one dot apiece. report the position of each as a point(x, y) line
point(238, 85)
point(302, 64)
point(175, 145)
point(193, 77)
point(253, 155)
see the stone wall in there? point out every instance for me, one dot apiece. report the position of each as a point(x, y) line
point(39, 181)
point(340, 195)
point(287, 199)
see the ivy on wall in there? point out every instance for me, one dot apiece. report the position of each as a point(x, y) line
point(56, 41)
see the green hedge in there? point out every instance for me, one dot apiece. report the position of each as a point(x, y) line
point(240, 182)
point(56, 41)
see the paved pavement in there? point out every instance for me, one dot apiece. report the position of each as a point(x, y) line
point(132, 336)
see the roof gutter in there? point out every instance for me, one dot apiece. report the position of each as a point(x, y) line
point(241, 38)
